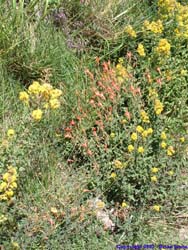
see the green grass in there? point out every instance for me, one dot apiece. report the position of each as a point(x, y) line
point(34, 49)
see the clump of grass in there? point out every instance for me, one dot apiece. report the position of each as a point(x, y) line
point(114, 131)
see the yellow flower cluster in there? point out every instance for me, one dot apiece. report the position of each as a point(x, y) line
point(154, 178)
point(134, 136)
point(43, 94)
point(163, 48)
point(172, 8)
point(119, 164)
point(37, 114)
point(171, 173)
point(8, 184)
point(143, 132)
point(10, 133)
point(130, 148)
point(141, 50)
point(130, 31)
point(24, 97)
point(157, 208)
point(155, 27)
point(170, 151)
point(154, 170)
point(113, 175)
point(182, 21)
point(182, 139)
point(163, 138)
point(163, 135)
point(163, 144)
point(158, 107)
point(123, 204)
point(144, 116)
point(153, 93)
point(167, 6)
point(3, 218)
point(139, 129)
point(140, 150)
point(121, 72)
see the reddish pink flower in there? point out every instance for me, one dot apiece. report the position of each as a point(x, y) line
point(70, 161)
point(68, 135)
point(68, 129)
point(89, 152)
point(128, 115)
point(72, 123)
point(84, 145)
point(158, 70)
point(159, 81)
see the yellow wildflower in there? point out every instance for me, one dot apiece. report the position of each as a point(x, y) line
point(153, 93)
point(140, 150)
point(163, 47)
point(34, 88)
point(150, 131)
point(183, 72)
point(163, 144)
point(123, 204)
point(163, 136)
point(171, 172)
point(3, 186)
point(121, 71)
point(9, 193)
point(118, 164)
point(55, 93)
point(15, 246)
point(2, 218)
point(139, 129)
point(10, 132)
point(13, 185)
point(45, 90)
point(124, 121)
point(144, 133)
point(46, 105)
point(113, 175)
point(154, 170)
point(54, 103)
point(6, 177)
point(130, 148)
point(134, 136)
point(3, 197)
point(170, 151)
point(100, 204)
point(182, 139)
point(154, 178)
point(130, 31)
point(156, 208)
point(158, 107)
point(23, 96)
point(140, 50)
point(37, 114)
point(112, 135)
point(144, 116)
point(155, 27)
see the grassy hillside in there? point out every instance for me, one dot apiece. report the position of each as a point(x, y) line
point(94, 116)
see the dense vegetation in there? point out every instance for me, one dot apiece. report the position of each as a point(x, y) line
point(94, 122)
